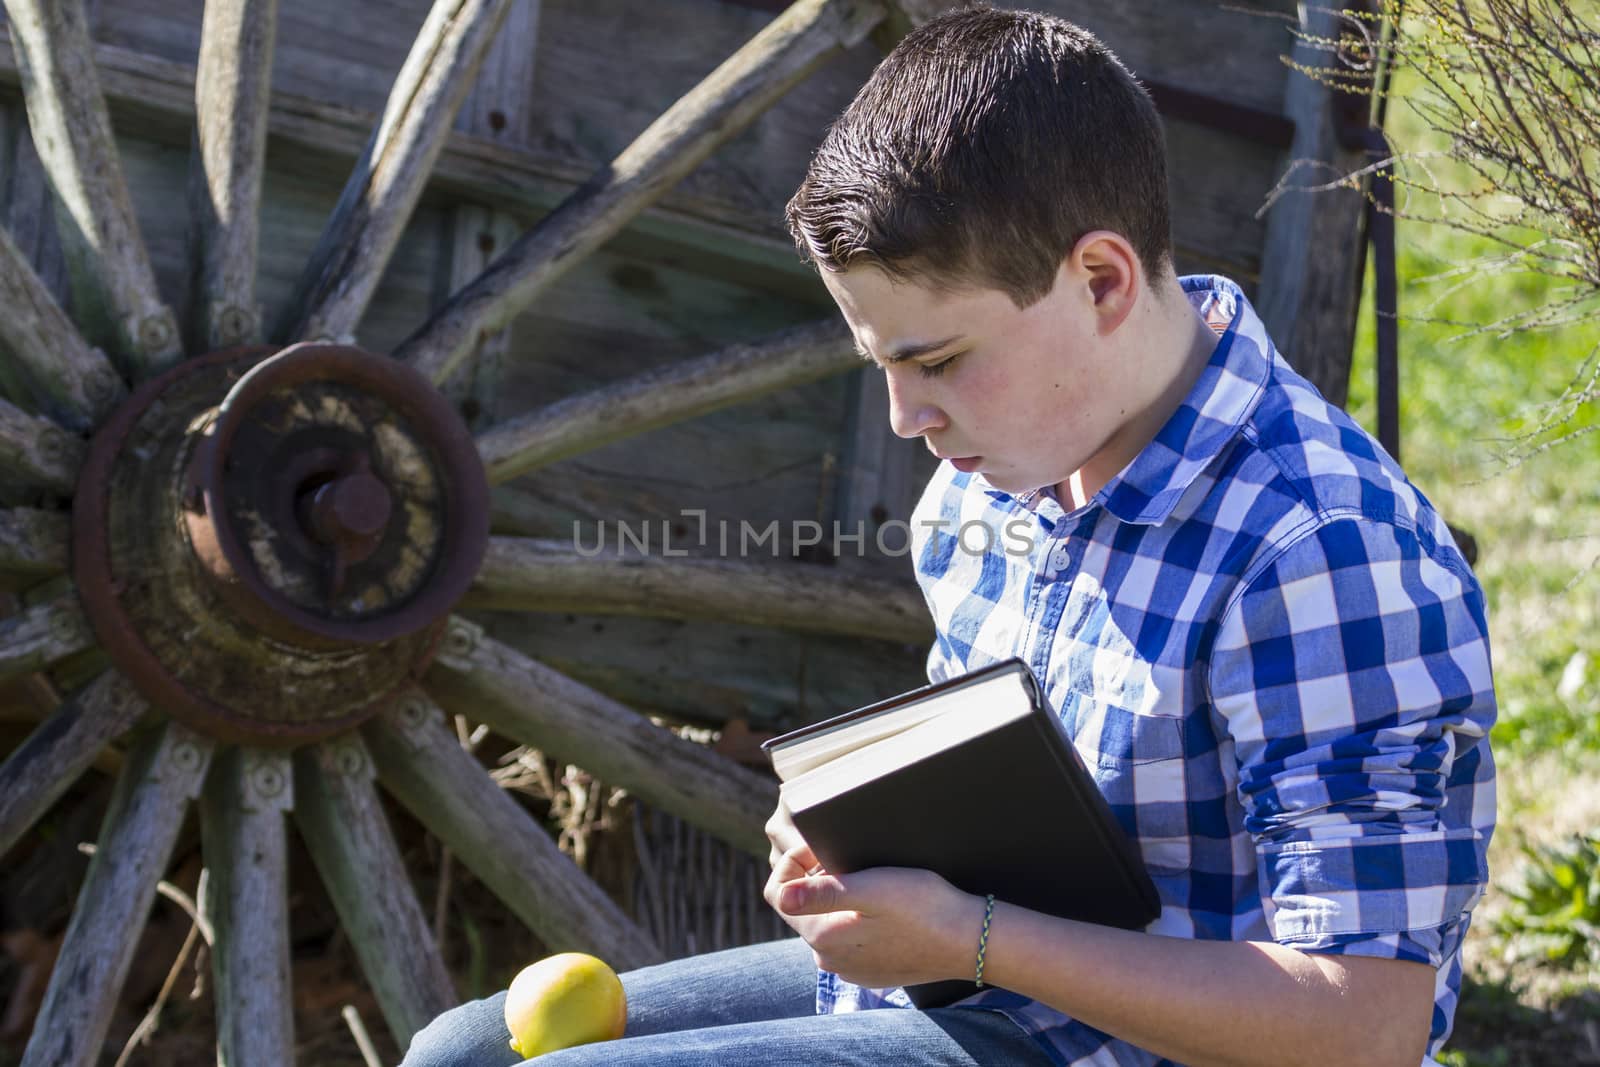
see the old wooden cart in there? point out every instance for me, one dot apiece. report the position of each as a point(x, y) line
point(565, 216)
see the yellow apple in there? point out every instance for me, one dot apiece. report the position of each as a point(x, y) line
point(564, 1000)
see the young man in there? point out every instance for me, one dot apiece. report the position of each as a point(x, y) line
point(1259, 635)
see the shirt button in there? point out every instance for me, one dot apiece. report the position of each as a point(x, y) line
point(1059, 558)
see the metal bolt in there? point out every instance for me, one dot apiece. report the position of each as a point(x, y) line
point(65, 627)
point(267, 779)
point(351, 509)
point(459, 641)
point(349, 760)
point(233, 324)
point(156, 332)
point(413, 712)
point(119, 696)
point(186, 757)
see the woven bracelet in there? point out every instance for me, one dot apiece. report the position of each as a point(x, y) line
point(983, 936)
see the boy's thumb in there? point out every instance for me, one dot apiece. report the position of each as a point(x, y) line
point(811, 896)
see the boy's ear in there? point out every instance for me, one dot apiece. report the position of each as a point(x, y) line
point(1108, 264)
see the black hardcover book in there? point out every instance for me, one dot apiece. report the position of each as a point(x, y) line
point(973, 778)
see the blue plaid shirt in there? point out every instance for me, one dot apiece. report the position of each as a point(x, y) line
point(1268, 650)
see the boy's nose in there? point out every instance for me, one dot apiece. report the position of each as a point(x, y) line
point(911, 415)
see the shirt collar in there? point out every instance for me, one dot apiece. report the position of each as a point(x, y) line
point(1219, 403)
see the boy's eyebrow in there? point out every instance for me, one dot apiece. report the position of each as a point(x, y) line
point(913, 350)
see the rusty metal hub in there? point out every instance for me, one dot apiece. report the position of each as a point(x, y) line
point(268, 543)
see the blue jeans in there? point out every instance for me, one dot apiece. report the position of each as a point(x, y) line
point(747, 1006)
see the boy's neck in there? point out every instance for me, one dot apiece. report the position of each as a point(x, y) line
point(1164, 353)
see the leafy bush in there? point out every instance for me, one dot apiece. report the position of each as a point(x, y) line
point(1554, 915)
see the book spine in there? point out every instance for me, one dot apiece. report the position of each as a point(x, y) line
point(1130, 863)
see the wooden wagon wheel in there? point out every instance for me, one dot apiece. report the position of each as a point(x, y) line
point(267, 538)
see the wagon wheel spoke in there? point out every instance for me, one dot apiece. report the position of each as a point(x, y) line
point(661, 397)
point(231, 91)
point(42, 635)
point(33, 543)
point(525, 700)
point(377, 201)
point(524, 574)
point(727, 100)
point(76, 384)
point(60, 749)
point(111, 270)
point(164, 769)
point(423, 765)
point(340, 817)
point(36, 453)
point(245, 847)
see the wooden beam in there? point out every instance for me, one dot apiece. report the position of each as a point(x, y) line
point(746, 84)
point(76, 384)
point(111, 275)
point(524, 700)
point(231, 91)
point(39, 770)
point(664, 396)
point(41, 635)
point(245, 847)
point(164, 770)
point(450, 792)
point(522, 574)
point(881, 475)
point(158, 94)
point(355, 247)
point(1310, 286)
point(33, 543)
point(500, 109)
point(342, 822)
point(36, 453)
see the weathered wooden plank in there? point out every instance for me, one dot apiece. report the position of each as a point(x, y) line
point(342, 822)
point(76, 384)
point(35, 775)
point(881, 475)
point(520, 574)
point(30, 222)
point(1229, 51)
point(245, 847)
point(113, 284)
point(474, 234)
point(708, 673)
point(164, 770)
point(749, 81)
point(42, 635)
point(451, 793)
point(661, 397)
point(36, 452)
point(498, 108)
point(383, 188)
point(33, 542)
point(231, 91)
point(1310, 282)
point(159, 95)
point(501, 103)
point(523, 699)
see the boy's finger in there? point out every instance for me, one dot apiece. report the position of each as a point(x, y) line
point(812, 896)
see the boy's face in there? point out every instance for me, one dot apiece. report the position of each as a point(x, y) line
point(1026, 396)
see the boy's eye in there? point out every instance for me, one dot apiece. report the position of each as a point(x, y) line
point(933, 370)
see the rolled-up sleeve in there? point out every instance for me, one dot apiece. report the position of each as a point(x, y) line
point(1352, 677)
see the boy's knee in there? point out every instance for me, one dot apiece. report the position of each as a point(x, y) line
point(472, 1035)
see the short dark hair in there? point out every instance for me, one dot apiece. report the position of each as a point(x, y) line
point(981, 149)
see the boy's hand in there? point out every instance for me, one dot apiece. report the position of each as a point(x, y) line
point(785, 838)
point(887, 926)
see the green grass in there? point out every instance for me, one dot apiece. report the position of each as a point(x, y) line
point(1467, 399)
